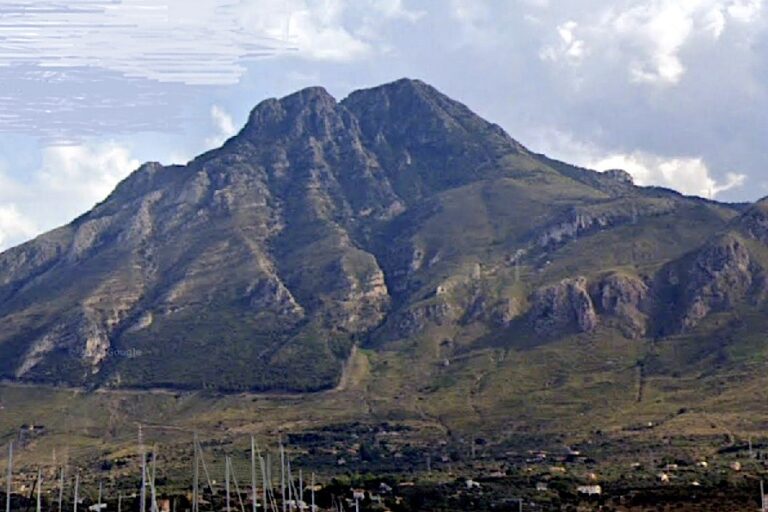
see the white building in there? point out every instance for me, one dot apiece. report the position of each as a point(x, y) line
point(590, 490)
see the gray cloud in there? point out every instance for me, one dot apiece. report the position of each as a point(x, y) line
point(674, 91)
point(674, 82)
point(169, 41)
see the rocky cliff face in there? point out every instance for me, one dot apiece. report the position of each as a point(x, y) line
point(626, 299)
point(722, 275)
point(580, 305)
point(754, 222)
point(394, 214)
point(564, 305)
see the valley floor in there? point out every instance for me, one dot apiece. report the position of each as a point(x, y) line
point(654, 457)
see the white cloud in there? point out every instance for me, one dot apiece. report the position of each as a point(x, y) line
point(714, 22)
point(14, 227)
point(192, 42)
point(394, 9)
point(469, 11)
point(327, 30)
point(569, 46)
point(224, 125)
point(84, 174)
point(660, 29)
point(475, 19)
point(688, 175)
point(650, 35)
point(70, 180)
point(139, 38)
point(745, 10)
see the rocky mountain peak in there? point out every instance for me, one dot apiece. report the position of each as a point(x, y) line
point(411, 108)
point(396, 214)
point(754, 222)
point(620, 175)
point(310, 111)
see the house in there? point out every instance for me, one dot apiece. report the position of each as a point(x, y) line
point(590, 490)
point(542, 487)
point(471, 484)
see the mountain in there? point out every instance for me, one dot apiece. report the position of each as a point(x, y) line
point(398, 221)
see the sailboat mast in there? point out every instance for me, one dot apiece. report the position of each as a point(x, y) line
point(143, 493)
point(153, 489)
point(313, 492)
point(290, 484)
point(77, 491)
point(254, 495)
point(265, 490)
point(9, 483)
point(39, 485)
point(301, 488)
point(226, 480)
point(196, 478)
point(282, 476)
point(61, 488)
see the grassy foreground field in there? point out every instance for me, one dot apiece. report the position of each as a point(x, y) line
point(401, 415)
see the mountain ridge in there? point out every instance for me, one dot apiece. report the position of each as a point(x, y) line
point(396, 219)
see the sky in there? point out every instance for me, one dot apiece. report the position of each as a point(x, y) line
point(673, 91)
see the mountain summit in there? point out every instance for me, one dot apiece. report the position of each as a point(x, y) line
point(396, 220)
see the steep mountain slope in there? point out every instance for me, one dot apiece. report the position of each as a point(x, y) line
point(396, 219)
